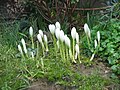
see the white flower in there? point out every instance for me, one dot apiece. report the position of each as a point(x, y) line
point(67, 41)
point(39, 38)
point(87, 30)
point(98, 36)
point(92, 57)
point(57, 33)
point(95, 41)
point(31, 31)
point(57, 25)
point(24, 45)
point(41, 33)
point(52, 28)
point(45, 39)
point(77, 38)
point(62, 36)
point(73, 32)
point(20, 49)
point(77, 48)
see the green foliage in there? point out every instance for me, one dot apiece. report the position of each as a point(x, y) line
point(110, 42)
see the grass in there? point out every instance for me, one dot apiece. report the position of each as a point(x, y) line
point(17, 74)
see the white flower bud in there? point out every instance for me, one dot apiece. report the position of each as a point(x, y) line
point(77, 48)
point(45, 39)
point(24, 45)
point(31, 31)
point(20, 49)
point(73, 32)
point(67, 41)
point(62, 36)
point(41, 33)
point(95, 41)
point(98, 36)
point(39, 38)
point(77, 38)
point(57, 33)
point(87, 30)
point(52, 28)
point(57, 25)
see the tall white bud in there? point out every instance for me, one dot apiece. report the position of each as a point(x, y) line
point(20, 49)
point(77, 48)
point(57, 25)
point(39, 38)
point(67, 41)
point(62, 36)
point(95, 41)
point(57, 33)
point(73, 32)
point(87, 30)
point(77, 38)
point(98, 36)
point(24, 45)
point(31, 31)
point(41, 33)
point(52, 28)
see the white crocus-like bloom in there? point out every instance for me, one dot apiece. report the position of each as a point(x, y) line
point(52, 28)
point(20, 49)
point(45, 39)
point(57, 33)
point(62, 36)
point(41, 33)
point(98, 36)
point(31, 31)
point(24, 45)
point(73, 32)
point(77, 48)
point(95, 41)
point(87, 30)
point(77, 38)
point(39, 38)
point(67, 41)
point(57, 25)
point(92, 57)
point(77, 51)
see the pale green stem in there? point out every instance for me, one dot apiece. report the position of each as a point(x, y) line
point(63, 51)
point(74, 50)
point(37, 49)
point(42, 64)
point(32, 42)
point(43, 48)
point(67, 53)
point(54, 42)
point(88, 42)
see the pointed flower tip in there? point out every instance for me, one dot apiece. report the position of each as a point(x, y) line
point(62, 36)
point(45, 39)
point(31, 31)
point(20, 49)
point(95, 41)
point(39, 38)
point(77, 48)
point(52, 28)
point(73, 32)
point(57, 25)
point(98, 36)
point(87, 30)
point(41, 32)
